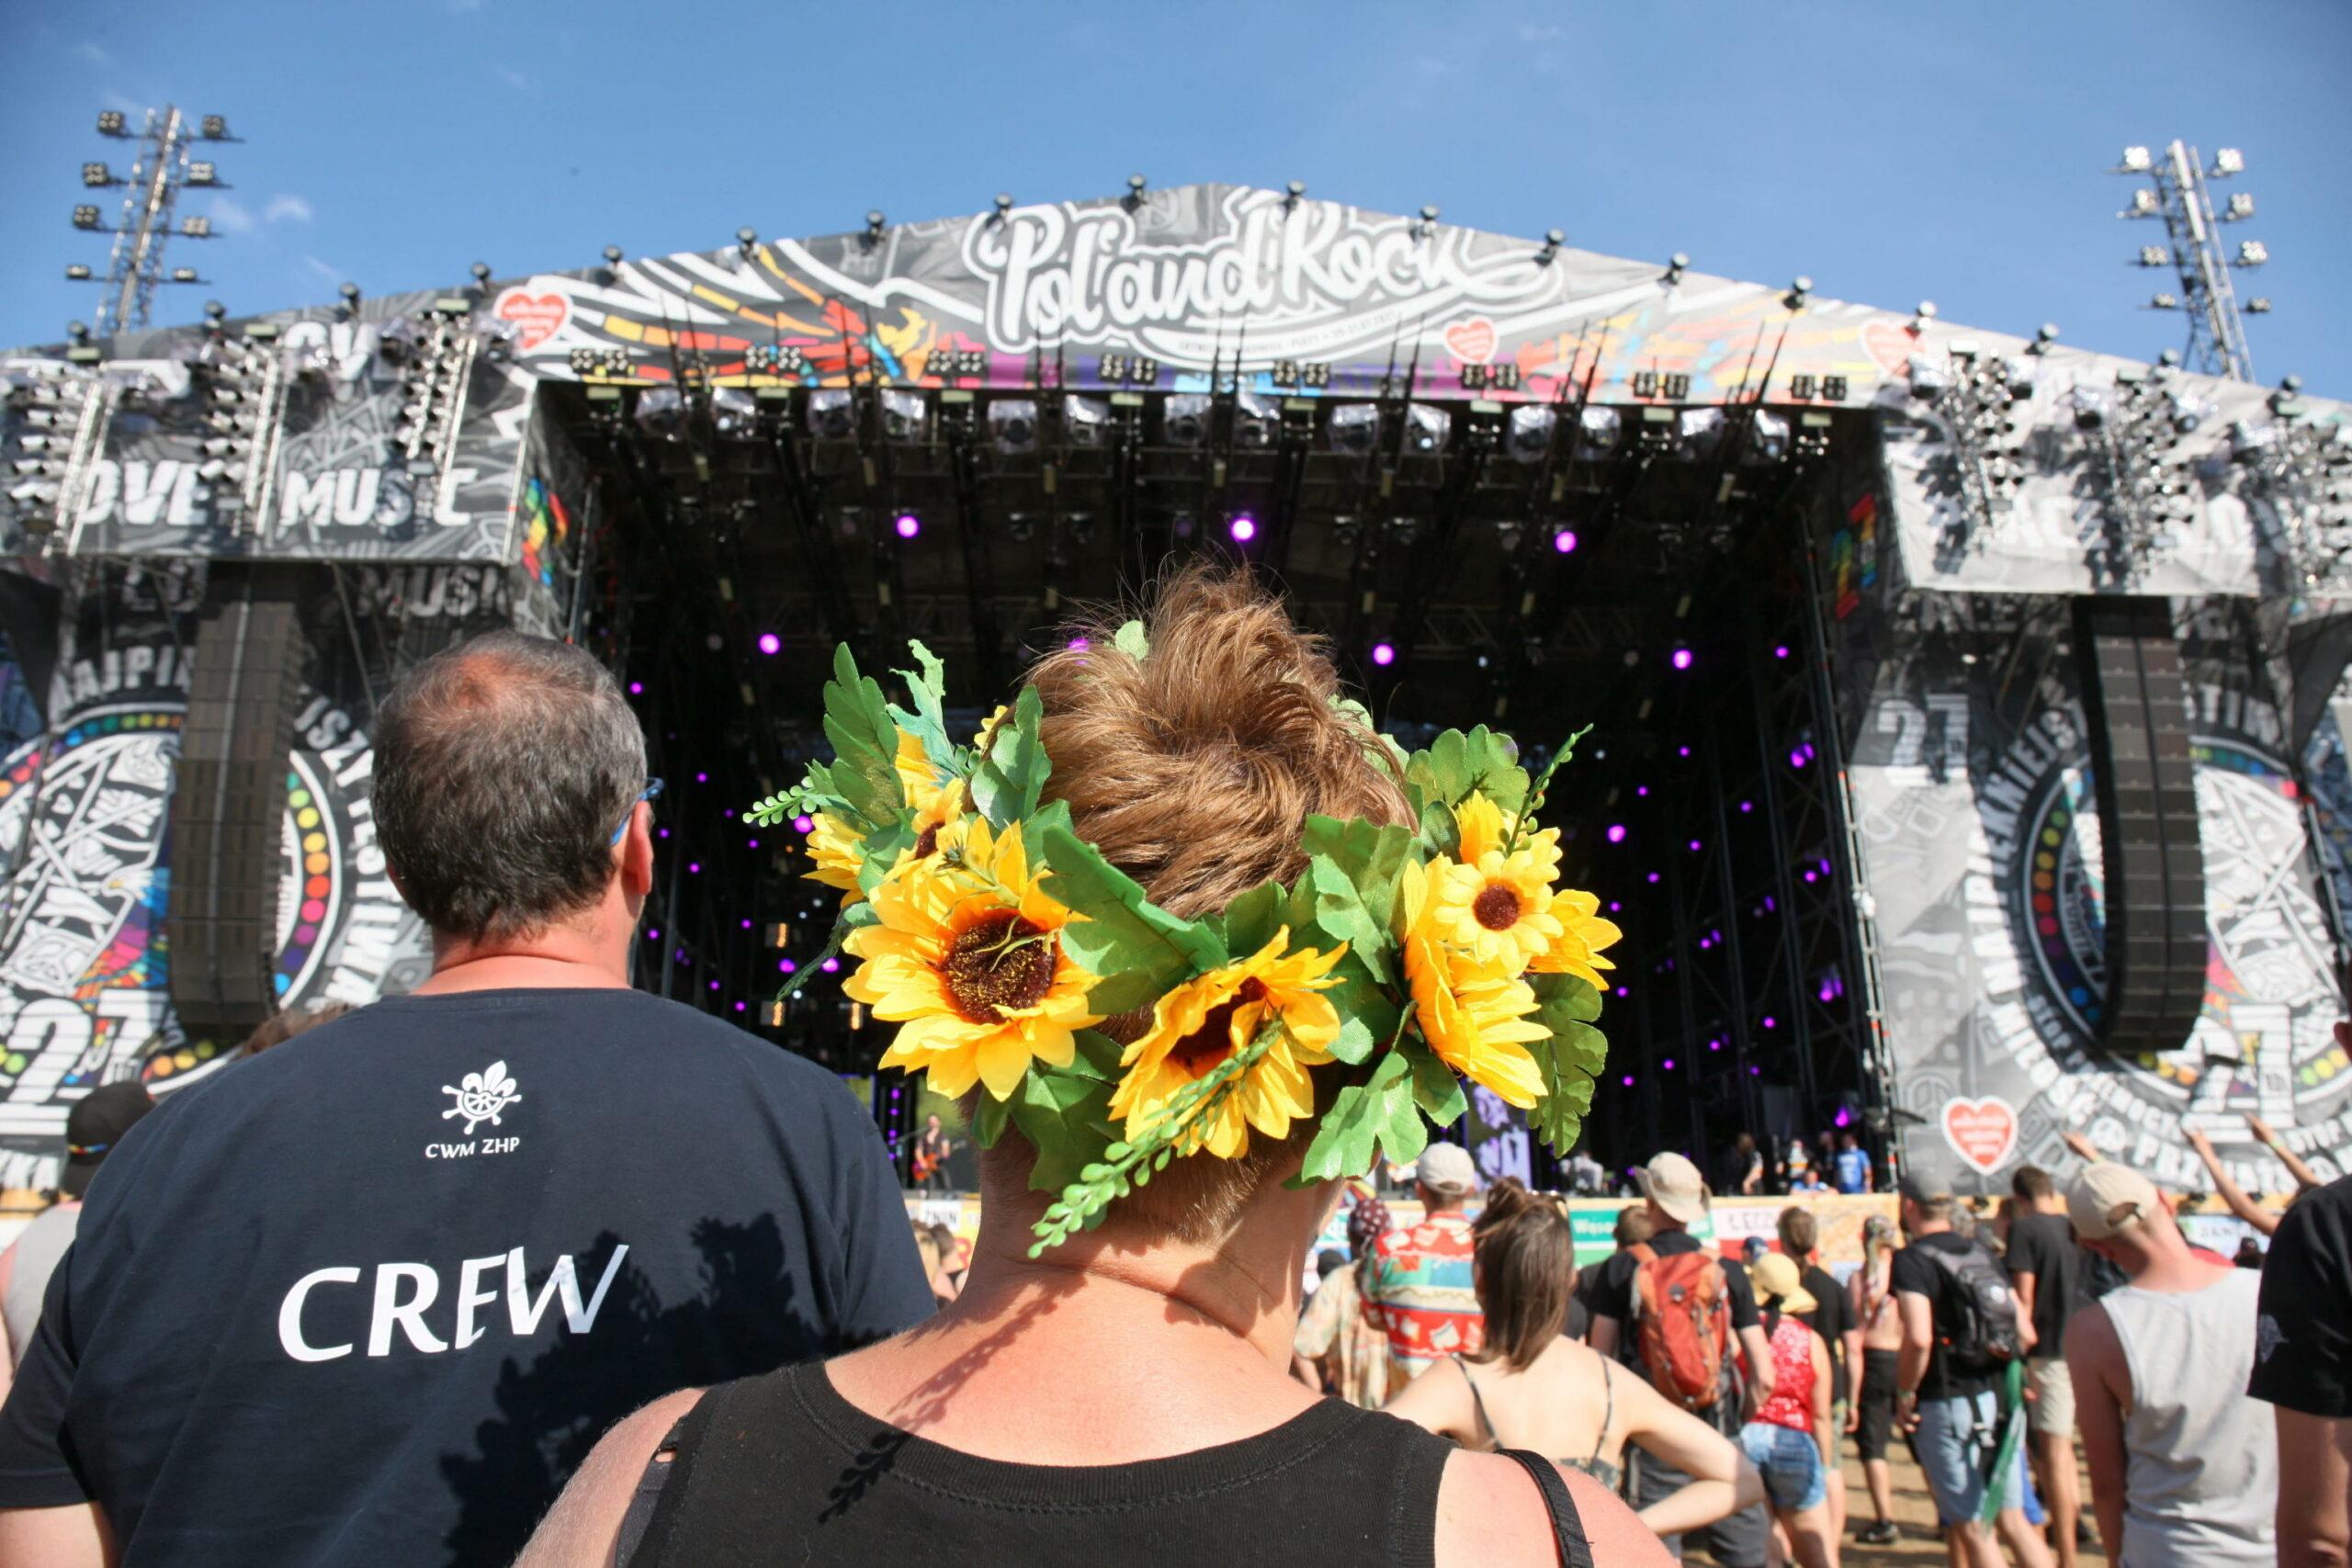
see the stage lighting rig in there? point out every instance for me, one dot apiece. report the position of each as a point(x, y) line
point(1354, 428)
point(1768, 439)
point(1086, 421)
point(1186, 418)
point(2304, 471)
point(1426, 428)
point(2178, 192)
point(1697, 434)
point(906, 416)
point(1257, 421)
point(64, 410)
point(2149, 490)
point(1528, 437)
point(832, 414)
point(1012, 427)
point(734, 413)
point(1553, 240)
point(1676, 266)
point(1598, 431)
point(437, 364)
point(1975, 398)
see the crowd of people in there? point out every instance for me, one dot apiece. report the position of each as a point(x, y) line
point(531, 1262)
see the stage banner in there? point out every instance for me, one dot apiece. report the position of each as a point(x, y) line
point(341, 487)
point(1981, 870)
point(84, 811)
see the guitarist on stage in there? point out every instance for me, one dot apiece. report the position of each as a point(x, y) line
point(929, 1163)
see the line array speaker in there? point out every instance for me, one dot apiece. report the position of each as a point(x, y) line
point(2153, 855)
point(229, 804)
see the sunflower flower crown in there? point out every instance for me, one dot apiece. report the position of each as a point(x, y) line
point(997, 939)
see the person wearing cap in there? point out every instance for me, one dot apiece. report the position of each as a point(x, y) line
point(1953, 1410)
point(1674, 1198)
point(1336, 1346)
point(1419, 1287)
point(1792, 1437)
point(2184, 1467)
point(92, 1128)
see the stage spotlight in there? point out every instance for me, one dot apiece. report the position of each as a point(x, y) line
point(2143, 205)
point(905, 415)
point(2228, 161)
point(660, 410)
point(2154, 256)
point(86, 217)
point(771, 644)
point(1243, 528)
point(734, 413)
point(2252, 252)
point(1086, 421)
point(1528, 437)
point(1383, 654)
point(1598, 433)
point(1564, 541)
point(1680, 659)
point(213, 128)
point(2017, 376)
point(2249, 441)
point(1426, 428)
point(1012, 425)
point(2136, 161)
point(97, 176)
point(203, 173)
point(1354, 428)
point(1019, 527)
point(831, 414)
point(1768, 439)
point(1697, 434)
point(77, 272)
point(1929, 376)
point(907, 525)
point(2089, 405)
point(1257, 419)
point(1186, 421)
point(110, 123)
point(2241, 207)
point(1616, 833)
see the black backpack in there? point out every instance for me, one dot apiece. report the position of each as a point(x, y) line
point(1984, 1312)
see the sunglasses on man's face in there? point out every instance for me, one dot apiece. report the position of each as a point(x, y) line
point(652, 787)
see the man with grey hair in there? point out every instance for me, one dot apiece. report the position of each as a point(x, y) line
point(372, 1296)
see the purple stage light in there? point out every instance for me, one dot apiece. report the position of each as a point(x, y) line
point(693, 868)
point(661, 832)
point(702, 778)
point(787, 965)
point(1078, 645)
point(738, 1006)
point(908, 524)
point(1681, 659)
point(804, 823)
point(1796, 758)
point(771, 644)
point(1755, 1072)
point(1772, 1022)
point(1695, 846)
point(1780, 652)
point(1714, 1044)
point(1243, 528)
point(830, 965)
point(1564, 541)
point(637, 688)
point(1625, 990)
point(1843, 1117)
point(1642, 790)
point(1616, 833)
point(746, 923)
point(1615, 906)
point(654, 936)
point(1653, 878)
point(1668, 1063)
point(714, 984)
point(1383, 654)
point(755, 844)
point(1682, 751)
point(1745, 806)
point(1627, 1080)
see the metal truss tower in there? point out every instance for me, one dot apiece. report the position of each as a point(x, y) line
point(162, 166)
point(2179, 191)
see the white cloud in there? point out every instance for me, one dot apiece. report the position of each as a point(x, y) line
point(513, 78)
point(231, 216)
point(117, 99)
point(287, 209)
point(326, 270)
point(93, 54)
point(1541, 32)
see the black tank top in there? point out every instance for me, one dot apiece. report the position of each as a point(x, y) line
point(781, 1468)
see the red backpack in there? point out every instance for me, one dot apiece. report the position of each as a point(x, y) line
point(1682, 1307)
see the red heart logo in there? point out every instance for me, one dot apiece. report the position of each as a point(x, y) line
point(1889, 345)
point(539, 315)
point(1981, 1132)
point(1473, 341)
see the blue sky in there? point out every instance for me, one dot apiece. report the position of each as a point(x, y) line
point(1893, 152)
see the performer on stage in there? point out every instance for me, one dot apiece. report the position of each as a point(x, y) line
point(932, 1145)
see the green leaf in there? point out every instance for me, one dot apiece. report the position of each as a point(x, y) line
point(1132, 641)
point(928, 687)
point(988, 1120)
point(865, 743)
point(1570, 1060)
point(1060, 1113)
point(1251, 919)
point(1435, 1088)
point(1138, 948)
point(1012, 778)
point(1344, 1142)
point(1370, 854)
point(1341, 914)
point(1098, 1057)
point(1495, 770)
point(1367, 1016)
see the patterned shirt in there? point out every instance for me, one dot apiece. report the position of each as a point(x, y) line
point(1419, 1290)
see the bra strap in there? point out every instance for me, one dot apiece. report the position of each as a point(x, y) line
point(1568, 1525)
point(1494, 1438)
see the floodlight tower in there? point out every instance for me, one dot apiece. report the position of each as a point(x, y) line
point(161, 168)
point(2179, 194)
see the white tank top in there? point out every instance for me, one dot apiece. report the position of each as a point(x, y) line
point(2201, 1479)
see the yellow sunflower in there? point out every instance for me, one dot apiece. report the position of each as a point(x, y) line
point(938, 825)
point(1583, 933)
point(838, 853)
point(967, 961)
point(923, 780)
point(1494, 907)
point(1203, 1022)
point(1475, 1016)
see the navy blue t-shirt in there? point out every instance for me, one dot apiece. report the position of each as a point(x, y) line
point(372, 1296)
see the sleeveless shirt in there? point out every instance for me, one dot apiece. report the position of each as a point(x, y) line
point(781, 1468)
point(2202, 1460)
point(1792, 1402)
